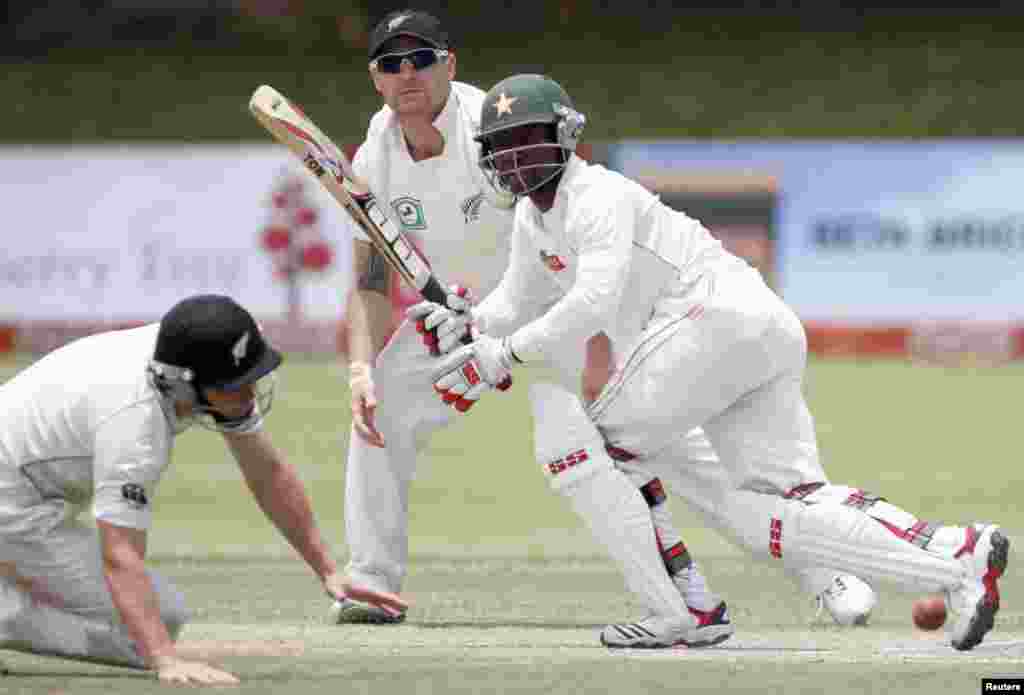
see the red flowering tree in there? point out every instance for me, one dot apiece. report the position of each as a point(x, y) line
point(293, 239)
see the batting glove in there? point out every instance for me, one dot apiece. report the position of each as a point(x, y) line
point(443, 328)
point(472, 370)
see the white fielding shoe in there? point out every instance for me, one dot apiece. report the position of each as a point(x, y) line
point(849, 599)
point(985, 554)
point(349, 612)
point(658, 632)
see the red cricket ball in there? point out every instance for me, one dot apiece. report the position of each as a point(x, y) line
point(929, 613)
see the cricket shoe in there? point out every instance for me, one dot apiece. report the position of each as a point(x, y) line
point(848, 599)
point(349, 612)
point(984, 553)
point(659, 632)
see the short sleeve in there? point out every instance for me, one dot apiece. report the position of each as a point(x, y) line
point(132, 449)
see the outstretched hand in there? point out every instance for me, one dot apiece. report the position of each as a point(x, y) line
point(178, 671)
point(339, 587)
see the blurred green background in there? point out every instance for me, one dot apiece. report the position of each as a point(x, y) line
point(146, 70)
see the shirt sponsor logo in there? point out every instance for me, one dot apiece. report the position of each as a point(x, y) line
point(410, 213)
point(553, 262)
point(136, 494)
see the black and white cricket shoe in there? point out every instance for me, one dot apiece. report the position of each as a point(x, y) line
point(349, 612)
point(985, 554)
point(660, 632)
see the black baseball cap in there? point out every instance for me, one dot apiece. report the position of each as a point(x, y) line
point(422, 25)
point(217, 340)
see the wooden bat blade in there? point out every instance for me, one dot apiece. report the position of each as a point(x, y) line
point(292, 127)
point(325, 160)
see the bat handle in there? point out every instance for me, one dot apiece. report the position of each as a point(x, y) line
point(433, 291)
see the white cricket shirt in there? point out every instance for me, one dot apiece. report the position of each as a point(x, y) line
point(84, 424)
point(440, 202)
point(611, 252)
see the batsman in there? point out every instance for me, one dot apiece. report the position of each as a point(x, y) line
point(700, 341)
point(420, 158)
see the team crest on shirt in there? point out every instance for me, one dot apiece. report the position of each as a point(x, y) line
point(553, 262)
point(409, 212)
point(471, 207)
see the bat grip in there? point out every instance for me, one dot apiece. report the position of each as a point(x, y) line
point(433, 291)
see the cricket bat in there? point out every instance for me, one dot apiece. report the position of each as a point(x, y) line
point(329, 165)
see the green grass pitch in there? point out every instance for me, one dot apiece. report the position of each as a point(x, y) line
point(508, 589)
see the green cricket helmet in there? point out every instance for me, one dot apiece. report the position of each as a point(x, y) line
point(525, 100)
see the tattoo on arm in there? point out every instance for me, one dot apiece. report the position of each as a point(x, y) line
point(374, 273)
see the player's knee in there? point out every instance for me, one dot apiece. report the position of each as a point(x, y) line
point(567, 444)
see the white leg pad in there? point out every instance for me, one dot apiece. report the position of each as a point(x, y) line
point(571, 450)
point(829, 534)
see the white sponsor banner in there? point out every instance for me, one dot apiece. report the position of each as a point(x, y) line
point(123, 232)
point(887, 231)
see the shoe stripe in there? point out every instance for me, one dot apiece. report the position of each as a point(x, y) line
point(620, 629)
point(644, 630)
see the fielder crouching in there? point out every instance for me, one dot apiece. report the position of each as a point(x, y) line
point(94, 422)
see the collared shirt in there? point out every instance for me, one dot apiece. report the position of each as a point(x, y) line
point(442, 202)
point(605, 257)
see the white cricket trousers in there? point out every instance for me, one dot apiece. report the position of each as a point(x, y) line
point(731, 360)
point(47, 544)
point(377, 480)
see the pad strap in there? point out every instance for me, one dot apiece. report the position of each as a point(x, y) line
point(653, 492)
point(677, 558)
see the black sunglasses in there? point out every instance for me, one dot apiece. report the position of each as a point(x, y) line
point(419, 58)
